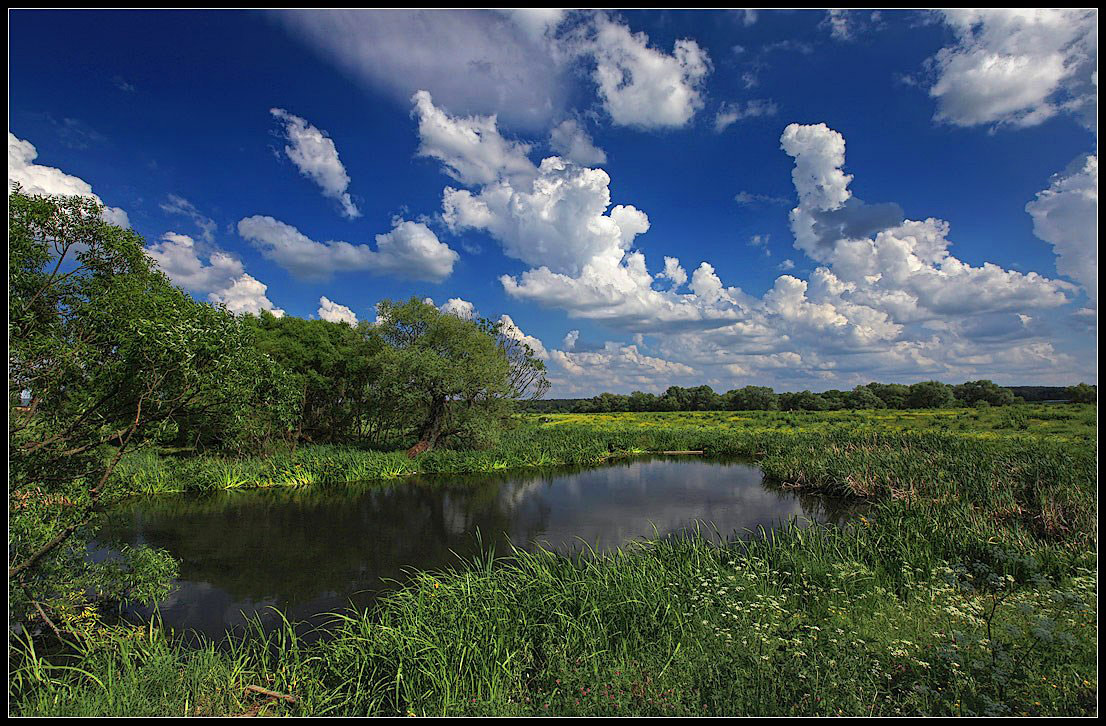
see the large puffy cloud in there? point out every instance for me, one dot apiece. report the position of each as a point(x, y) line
point(471, 149)
point(38, 179)
point(518, 64)
point(1066, 215)
point(1017, 66)
point(316, 156)
point(410, 250)
point(571, 140)
point(245, 295)
point(886, 300)
point(335, 313)
point(179, 257)
point(897, 265)
point(644, 87)
point(477, 62)
point(460, 307)
point(561, 222)
point(222, 277)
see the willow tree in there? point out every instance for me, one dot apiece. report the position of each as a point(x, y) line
point(104, 356)
point(452, 378)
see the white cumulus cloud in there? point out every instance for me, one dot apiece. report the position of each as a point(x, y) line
point(410, 250)
point(335, 313)
point(1066, 215)
point(316, 156)
point(38, 179)
point(471, 149)
point(1017, 66)
point(459, 307)
point(641, 86)
point(210, 271)
point(245, 295)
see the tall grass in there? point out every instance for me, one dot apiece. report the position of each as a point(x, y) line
point(1039, 482)
point(816, 621)
point(969, 587)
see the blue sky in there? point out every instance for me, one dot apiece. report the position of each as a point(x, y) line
point(844, 196)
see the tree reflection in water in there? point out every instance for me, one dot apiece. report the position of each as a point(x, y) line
point(318, 550)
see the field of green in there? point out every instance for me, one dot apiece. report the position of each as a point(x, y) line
point(969, 587)
point(554, 439)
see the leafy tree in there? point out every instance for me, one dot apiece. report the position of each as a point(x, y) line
point(751, 398)
point(834, 400)
point(1083, 393)
point(639, 401)
point(930, 394)
point(862, 397)
point(113, 357)
point(451, 378)
point(675, 398)
point(995, 395)
point(702, 398)
point(802, 401)
point(331, 367)
point(893, 395)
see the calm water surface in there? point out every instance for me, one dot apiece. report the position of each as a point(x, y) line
point(315, 551)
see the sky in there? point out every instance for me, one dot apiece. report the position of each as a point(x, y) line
point(799, 199)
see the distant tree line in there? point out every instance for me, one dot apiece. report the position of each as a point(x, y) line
point(927, 394)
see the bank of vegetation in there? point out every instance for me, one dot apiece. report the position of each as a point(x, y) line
point(108, 362)
point(968, 586)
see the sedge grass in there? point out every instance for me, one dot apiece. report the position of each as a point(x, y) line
point(968, 588)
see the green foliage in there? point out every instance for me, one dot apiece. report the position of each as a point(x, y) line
point(973, 391)
point(802, 401)
point(449, 379)
point(113, 357)
point(1083, 393)
point(808, 622)
point(862, 397)
point(967, 587)
point(332, 368)
point(930, 394)
point(752, 398)
point(893, 395)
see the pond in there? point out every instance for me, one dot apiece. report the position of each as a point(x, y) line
point(319, 550)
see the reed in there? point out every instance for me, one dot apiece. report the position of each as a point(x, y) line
point(967, 588)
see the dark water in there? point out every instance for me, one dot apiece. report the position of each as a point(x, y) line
point(312, 551)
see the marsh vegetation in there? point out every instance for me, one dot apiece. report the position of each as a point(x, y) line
point(966, 586)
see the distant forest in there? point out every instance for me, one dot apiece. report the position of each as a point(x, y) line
point(928, 394)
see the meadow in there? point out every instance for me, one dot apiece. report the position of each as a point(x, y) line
point(555, 439)
point(968, 587)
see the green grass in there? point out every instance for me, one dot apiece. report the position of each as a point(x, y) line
point(969, 587)
point(557, 439)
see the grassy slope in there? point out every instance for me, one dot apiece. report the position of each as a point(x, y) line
point(970, 588)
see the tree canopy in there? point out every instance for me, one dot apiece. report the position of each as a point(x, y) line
point(448, 377)
point(112, 357)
